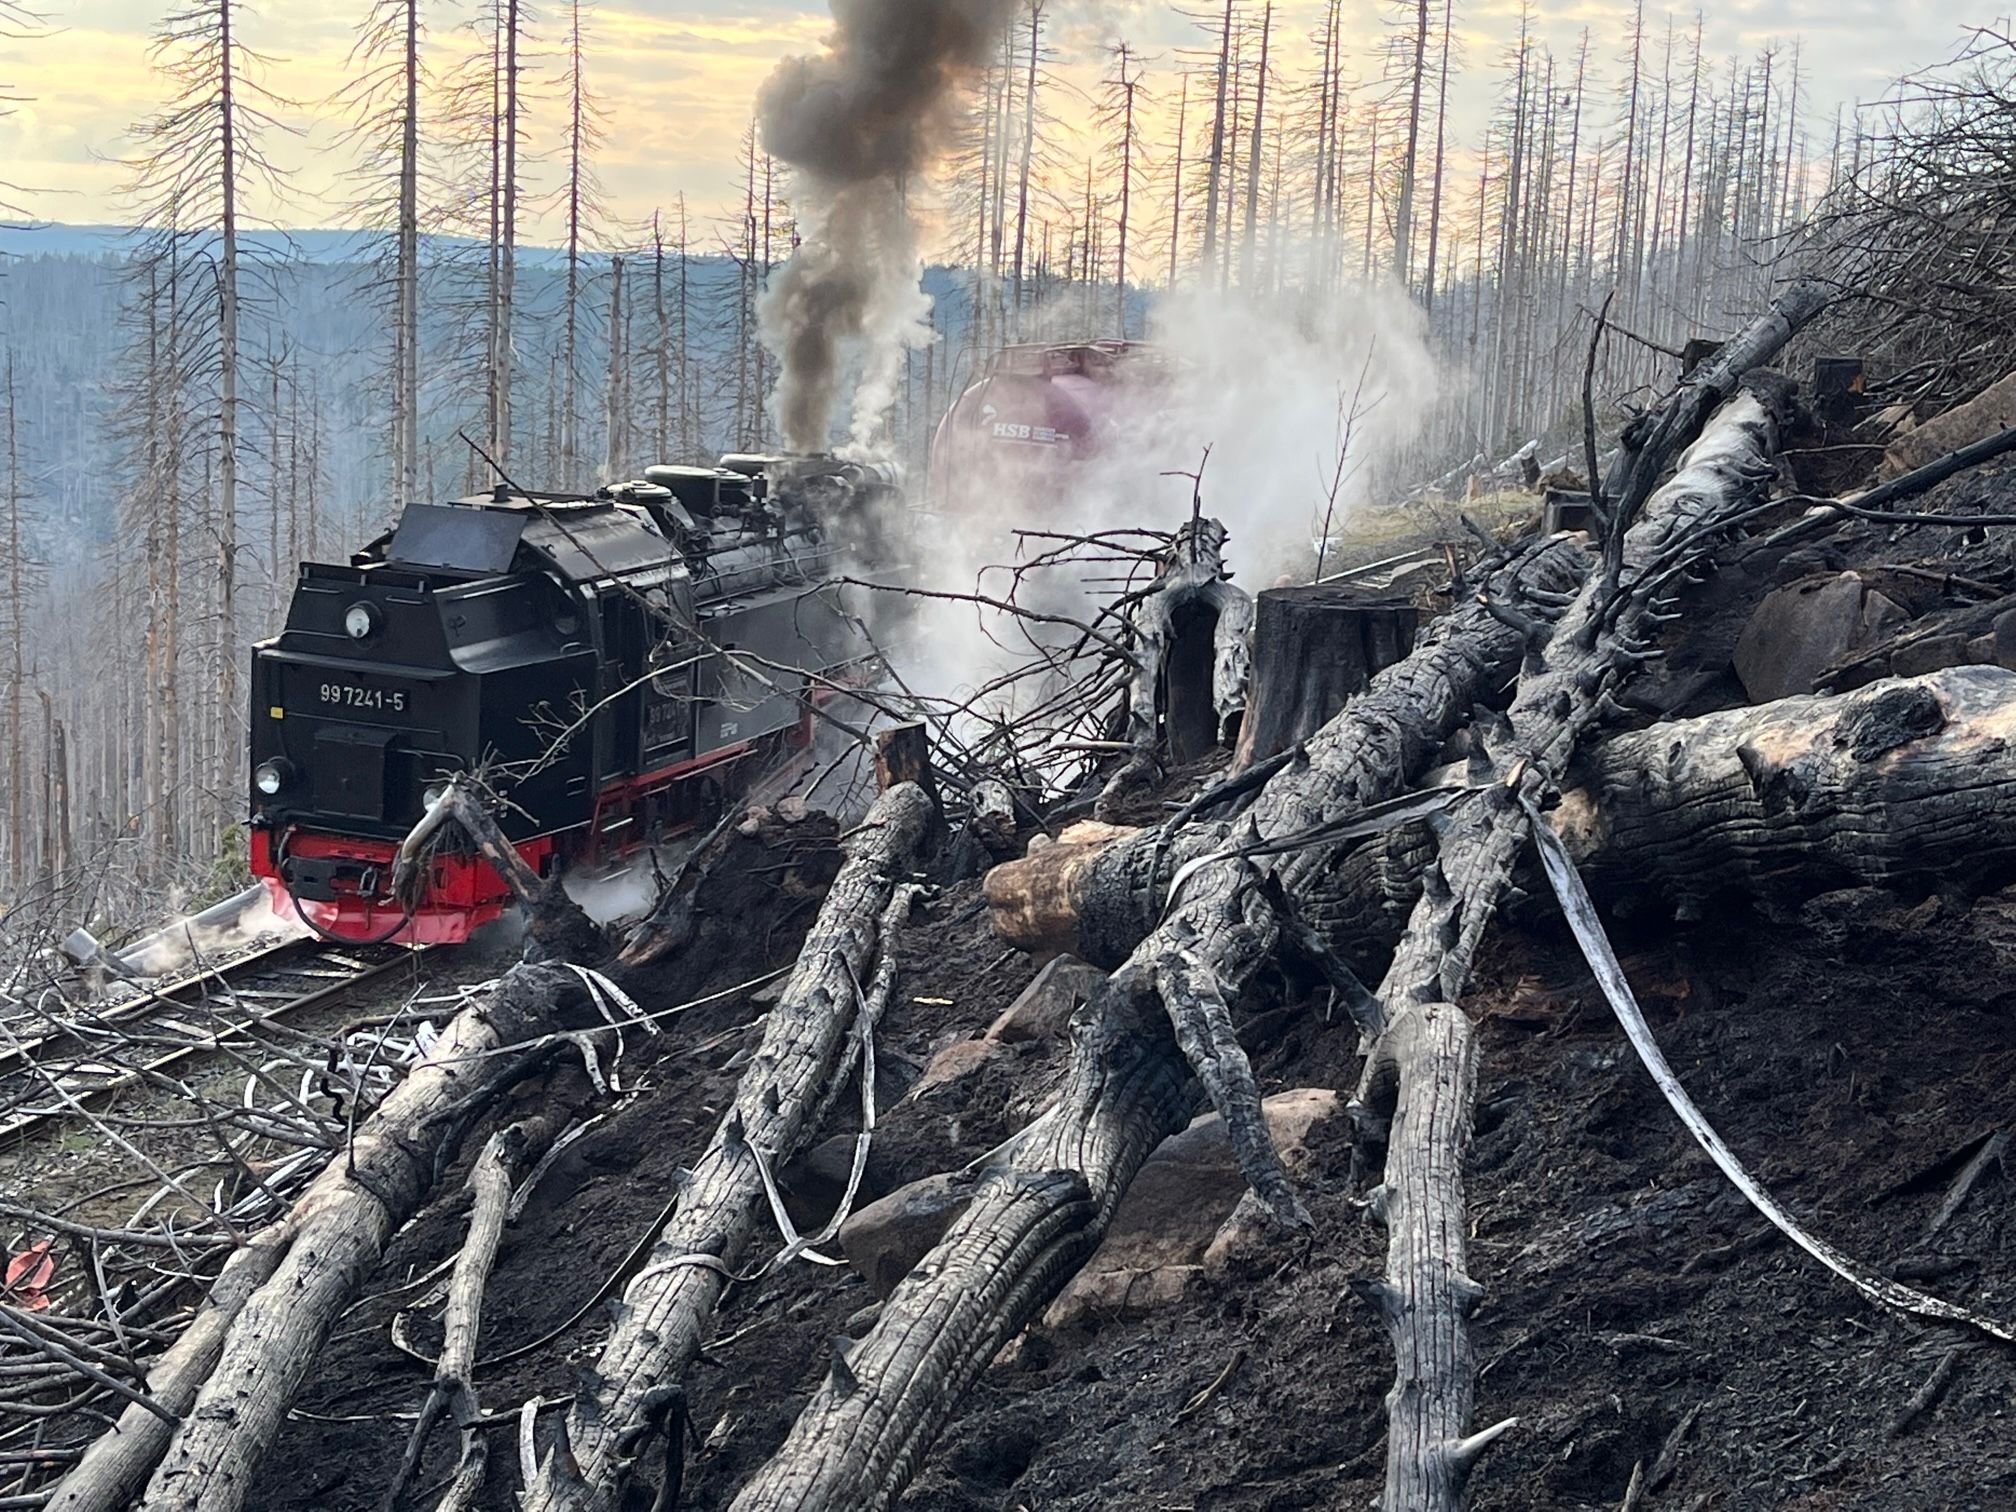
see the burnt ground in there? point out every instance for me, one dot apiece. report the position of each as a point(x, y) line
point(1853, 1049)
point(1849, 1048)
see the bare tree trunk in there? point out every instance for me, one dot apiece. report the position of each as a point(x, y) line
point(1441, 134)
point(227, 396)
point(504, 356)
point(406, 275)
point(570, 369)
point(1176, 189)
point(1253, 156)
point(1403, 219)
point(1036, 8)
point(615, 392)
point(1217, 172)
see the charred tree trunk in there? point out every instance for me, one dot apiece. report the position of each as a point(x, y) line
point(1314, 649)
point(797, 1072)
point(336, 1234)
point(1098, 901)
point(1032, 1221)
point(1191, 633)
point(1727, 472)
point(269, 1316)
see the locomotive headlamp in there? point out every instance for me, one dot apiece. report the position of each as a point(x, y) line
point(360, 621)
point(271, 778)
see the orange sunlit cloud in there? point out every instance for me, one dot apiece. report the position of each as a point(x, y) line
point(677, 80)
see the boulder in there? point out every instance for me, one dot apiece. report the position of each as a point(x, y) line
point(885, 1239)
point(1802, 629)
point(1044, 1009)
point(1181, 1219)
point(1934, 653)
point(813, 1184)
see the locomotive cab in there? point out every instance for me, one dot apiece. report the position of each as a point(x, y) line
point(572, 650)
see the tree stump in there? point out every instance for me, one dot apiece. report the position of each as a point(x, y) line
point(1313, 650)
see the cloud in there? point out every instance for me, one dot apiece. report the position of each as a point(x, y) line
point(679, 78)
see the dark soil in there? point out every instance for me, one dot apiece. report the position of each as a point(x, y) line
point(1849, 1049)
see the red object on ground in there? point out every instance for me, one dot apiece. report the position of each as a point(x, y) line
point(28, 1276)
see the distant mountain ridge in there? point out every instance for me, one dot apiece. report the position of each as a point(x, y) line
point(309, 244)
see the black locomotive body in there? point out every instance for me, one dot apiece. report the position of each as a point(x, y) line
point(574, 649)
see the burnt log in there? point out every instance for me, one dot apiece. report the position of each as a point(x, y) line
point(1036, 1214)
point(1314, 649)
point(506, 1159)
point(1101, 902)
point(1561, 700)
point(334, 1237)
point(232, 1379)
point(798, 1070)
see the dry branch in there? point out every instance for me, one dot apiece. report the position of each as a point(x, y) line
point(505, 1160)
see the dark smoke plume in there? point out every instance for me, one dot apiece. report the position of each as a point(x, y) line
point(858, 123)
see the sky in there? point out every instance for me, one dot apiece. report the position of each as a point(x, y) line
point(677, 79)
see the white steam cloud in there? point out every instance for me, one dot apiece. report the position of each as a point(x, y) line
point(1262, 379)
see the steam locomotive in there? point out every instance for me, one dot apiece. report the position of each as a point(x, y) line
point(571, 647)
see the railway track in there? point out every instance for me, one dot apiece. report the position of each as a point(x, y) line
point(52, 1068)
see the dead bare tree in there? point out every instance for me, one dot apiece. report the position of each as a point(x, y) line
point(383, 102)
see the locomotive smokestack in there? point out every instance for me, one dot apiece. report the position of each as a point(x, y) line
point(857, 122)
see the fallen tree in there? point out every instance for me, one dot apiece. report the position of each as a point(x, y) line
point(620, 1414)
point(230, 1380)
point(1414, 1094)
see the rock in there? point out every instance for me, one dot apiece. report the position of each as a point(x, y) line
point(955, 1062)
point(884, 1240)
point(2003, 653)
point(814, 1183)
point(1184, 1205)
point(1044, 1009)
point(1801, 630)
point(1934, 653)
point(1994, 409)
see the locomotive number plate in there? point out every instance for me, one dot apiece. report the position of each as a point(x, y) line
point(355, 697)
